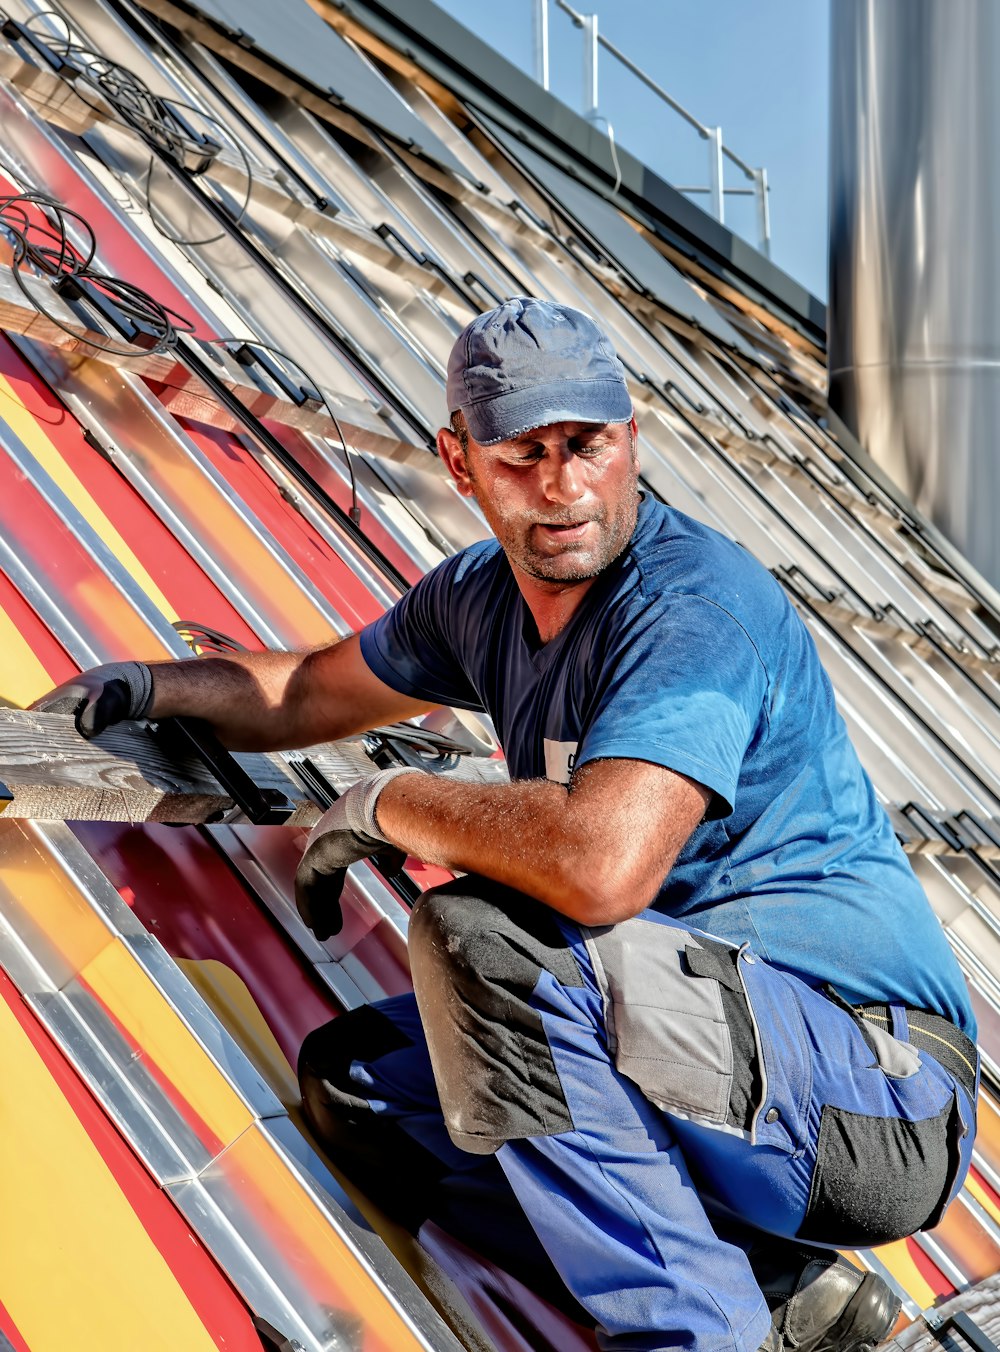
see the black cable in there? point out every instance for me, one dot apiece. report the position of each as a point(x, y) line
point(202, 638)
point(152, 116)
point(268, 347)
point(199, 363)
point(45, 246)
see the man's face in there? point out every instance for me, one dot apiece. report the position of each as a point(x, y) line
point(561, 499)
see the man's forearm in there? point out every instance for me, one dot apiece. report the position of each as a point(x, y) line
point(246, 697)
point(577, 850)
point(273, 701)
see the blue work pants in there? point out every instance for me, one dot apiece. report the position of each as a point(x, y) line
point(653, 1099)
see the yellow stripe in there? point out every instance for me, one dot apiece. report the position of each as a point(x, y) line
point(22, 676)
point(45, 900)
point(899, 1262)
point(173, 1054)
point(32, 433)
point(985, 1200)
point(79, 1269)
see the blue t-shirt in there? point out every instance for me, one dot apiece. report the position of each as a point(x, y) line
point(687, 653)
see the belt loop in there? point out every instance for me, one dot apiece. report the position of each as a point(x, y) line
point(900, 1028)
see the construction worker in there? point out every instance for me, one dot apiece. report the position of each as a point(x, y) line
point(687, 1022)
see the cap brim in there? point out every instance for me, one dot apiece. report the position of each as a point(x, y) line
point(509, 415)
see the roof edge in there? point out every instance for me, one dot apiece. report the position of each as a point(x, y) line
point(425, 34)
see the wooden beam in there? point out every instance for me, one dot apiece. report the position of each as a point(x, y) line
point(51, 773)
point(935, 1331)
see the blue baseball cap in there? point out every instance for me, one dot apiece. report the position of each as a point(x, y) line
point(529, 363)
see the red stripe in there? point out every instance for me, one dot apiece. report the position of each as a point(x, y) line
point(117, 251)
point(10, 1332)
point(929, 1270)
point(327, 572)
point(213, 1299)
point(181, 580)
point(61, 564)
point(986, 1185)
point(52, 655)
point(314, 464)
point(183, 890)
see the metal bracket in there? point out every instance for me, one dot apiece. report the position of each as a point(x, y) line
point(192, 737)
point(941, 1325)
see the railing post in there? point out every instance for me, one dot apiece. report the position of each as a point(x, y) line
point(541, 42)
point(715, 173)
point(763, 211)
point(590, 50)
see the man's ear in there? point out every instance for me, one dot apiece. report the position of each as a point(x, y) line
point(450, 451)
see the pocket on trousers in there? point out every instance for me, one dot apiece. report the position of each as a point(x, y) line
point(667, 1027)
point(878, 1179)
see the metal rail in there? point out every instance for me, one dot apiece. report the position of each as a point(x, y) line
point(718, 151)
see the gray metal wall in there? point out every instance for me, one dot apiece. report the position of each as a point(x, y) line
point(914, 310)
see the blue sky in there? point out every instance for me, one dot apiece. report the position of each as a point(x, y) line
point(758, 68)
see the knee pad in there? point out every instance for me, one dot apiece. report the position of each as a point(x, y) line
point(477, 951)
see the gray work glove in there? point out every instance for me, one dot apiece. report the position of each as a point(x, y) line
point(101, 696)
point(345, 834)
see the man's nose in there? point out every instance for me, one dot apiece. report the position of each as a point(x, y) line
point(561, 479)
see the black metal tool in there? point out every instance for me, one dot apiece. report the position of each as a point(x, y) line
point(192, 737)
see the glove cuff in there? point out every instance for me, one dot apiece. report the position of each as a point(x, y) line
point(139, 680)
point(360, 803)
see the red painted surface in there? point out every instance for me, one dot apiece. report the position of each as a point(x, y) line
point(316, 466)
point(513, 1316)
point(325, 570)
point(192, 594)
point(64, 567)
point(929, 1270)
point(9, 1330)
point(118, 252)
point(52, 655)
point(185, 893)
point(217, 1305)
point(986, 1185)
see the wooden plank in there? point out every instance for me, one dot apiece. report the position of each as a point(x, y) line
point(54, 774)
point(980, 1303)
point(51, 773)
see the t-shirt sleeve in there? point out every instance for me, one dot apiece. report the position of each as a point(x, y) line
point(686, 689)
point(415, 647)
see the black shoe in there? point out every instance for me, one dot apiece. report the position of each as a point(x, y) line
point(820, 1302)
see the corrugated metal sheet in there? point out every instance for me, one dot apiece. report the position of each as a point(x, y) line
point(170, 966)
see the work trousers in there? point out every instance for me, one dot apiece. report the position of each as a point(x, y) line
point(647, 1098)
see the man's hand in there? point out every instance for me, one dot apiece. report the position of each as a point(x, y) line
point(102, 696)
point(345, 834)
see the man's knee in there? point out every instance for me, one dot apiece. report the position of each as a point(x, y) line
point(477, 952)
point(475, 930)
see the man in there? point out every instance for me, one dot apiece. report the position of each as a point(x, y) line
point(689, 1014)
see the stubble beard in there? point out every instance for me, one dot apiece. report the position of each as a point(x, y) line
point(573, 563)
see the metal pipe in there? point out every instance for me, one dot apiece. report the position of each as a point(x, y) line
point(590, 53)
point(763, 211)
point(541, 42)
point(715, 173)
point(914, 316)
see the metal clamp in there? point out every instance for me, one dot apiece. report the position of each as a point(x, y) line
point(941, 1325)
point(192, 737)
